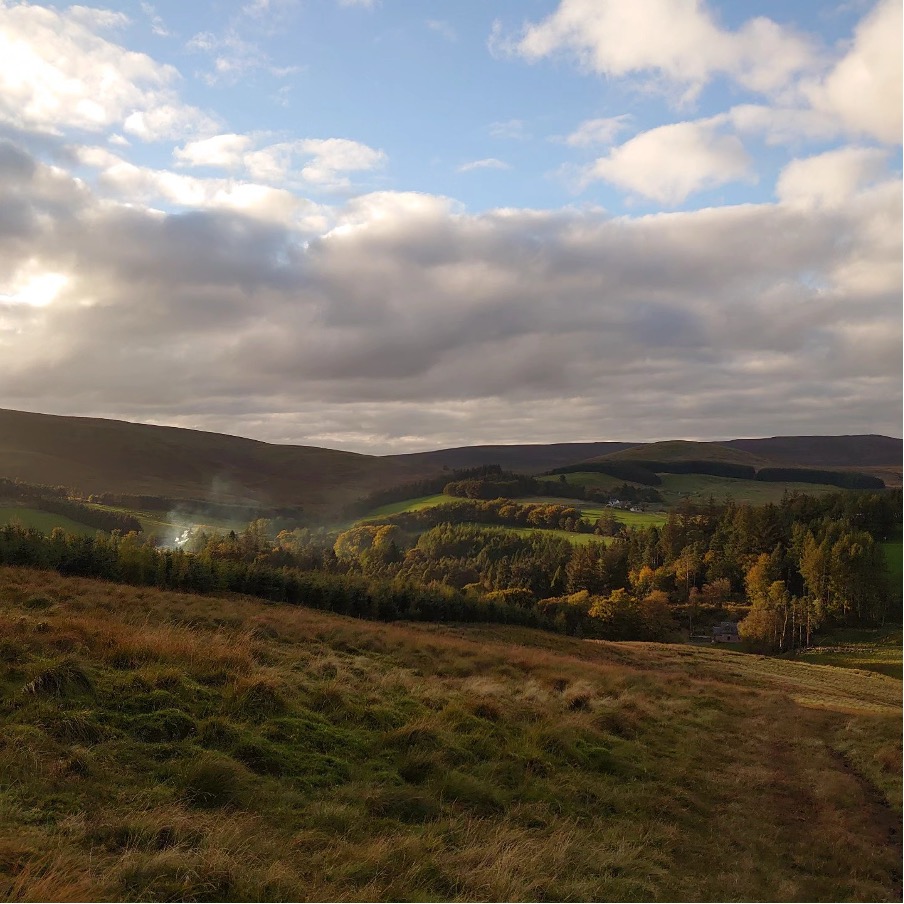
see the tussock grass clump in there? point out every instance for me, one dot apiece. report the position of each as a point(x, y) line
point(404, 804)
point(81, 726)
point(215, 781)
point(39, 601)
point(256, 698)
point(176, 875)
point(65, 678)
point(163, 725)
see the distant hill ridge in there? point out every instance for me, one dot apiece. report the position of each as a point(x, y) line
point(96, 455)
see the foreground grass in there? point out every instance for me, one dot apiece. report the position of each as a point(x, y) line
point(160, 746)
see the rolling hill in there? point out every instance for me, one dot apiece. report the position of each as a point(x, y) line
point(95, 455)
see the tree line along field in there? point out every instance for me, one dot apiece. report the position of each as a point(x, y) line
point(166, 746)
point(699, 488)
point(588, 511)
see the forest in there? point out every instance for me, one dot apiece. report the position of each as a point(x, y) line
point(790, 569)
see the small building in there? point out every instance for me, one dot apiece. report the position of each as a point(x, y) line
point(726, 632)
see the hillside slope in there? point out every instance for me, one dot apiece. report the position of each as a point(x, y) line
point(96, 455)
point(162, 746)
point(865, 451)
point(525, 459)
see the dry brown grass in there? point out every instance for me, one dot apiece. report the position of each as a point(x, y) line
point(362, 761)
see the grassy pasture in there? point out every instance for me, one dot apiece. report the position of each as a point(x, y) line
point(162, 746)
point(409, 505)
point(859, 648)
point(700, 487)
point(893, 551)
point(589, 511)
point(592, 511)
point(43, 521)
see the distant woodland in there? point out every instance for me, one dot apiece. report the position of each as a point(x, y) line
point(786, 570)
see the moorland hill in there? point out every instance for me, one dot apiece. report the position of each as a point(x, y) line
point(97, 455)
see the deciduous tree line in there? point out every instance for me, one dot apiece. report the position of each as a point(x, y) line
point(800, 565)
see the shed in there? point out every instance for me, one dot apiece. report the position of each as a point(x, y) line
point(726, 632)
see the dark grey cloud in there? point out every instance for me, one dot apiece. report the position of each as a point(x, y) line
point(407, 323)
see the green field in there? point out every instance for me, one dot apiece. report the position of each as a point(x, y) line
point(869, 649)
point(893, 551)
point(699, 488)
point(43, 521)
point(409, 505)
point(589, 479)
point(590, 511)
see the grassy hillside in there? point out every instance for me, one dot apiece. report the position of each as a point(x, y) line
point(858, 648)
point(525, 459)
point(159, 746)
point(42, 521)
point(698, 488)
point(95, 455)
point(823, 451)
point(684, 450)
point(590, 511)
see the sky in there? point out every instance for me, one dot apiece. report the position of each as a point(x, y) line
point(398, 225)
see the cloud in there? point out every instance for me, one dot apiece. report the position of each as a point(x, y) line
point(402, 321)
point(485, 163)
point(514, 129)
point(678, 42)
point(669, 163)
point(56, 73)
point(783, 125)
point(158, 26)
point(444, 28)
point(221, 151)
point(598, 131)
point(832, 178)
point(122, 180)
point(864, 89)
point(310, 162)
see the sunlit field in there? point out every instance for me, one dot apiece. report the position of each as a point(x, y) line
point(163, 746)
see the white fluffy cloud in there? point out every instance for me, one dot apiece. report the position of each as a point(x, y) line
point(864, 89)
point(602, 131)
point(320, 162)
point(57, 72)
point(678, 41)
point(669, 163)
point(832, 178)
